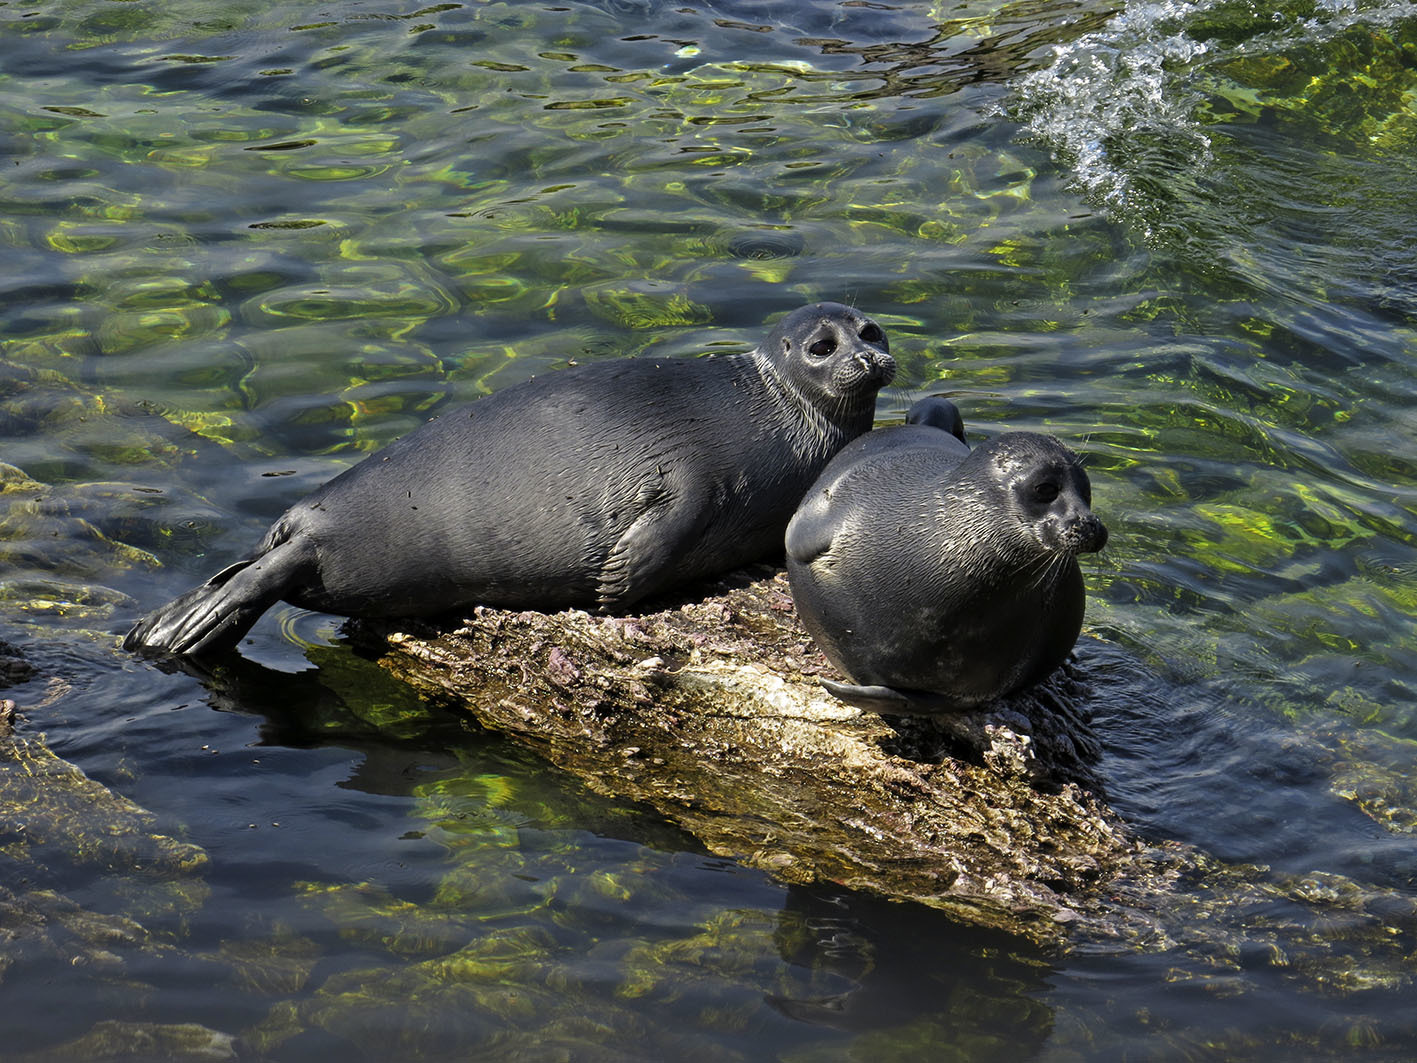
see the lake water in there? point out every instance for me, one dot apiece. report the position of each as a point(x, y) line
point(246, 244)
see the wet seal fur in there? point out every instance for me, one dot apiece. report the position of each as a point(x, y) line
point(940, 578)
point(593, 486)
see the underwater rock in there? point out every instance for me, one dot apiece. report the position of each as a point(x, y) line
point(56, 812)
point(148, 1042)
point(56, 816)
point(711, 712)
point(14, 670)
point(60, 542)
point(43, 923)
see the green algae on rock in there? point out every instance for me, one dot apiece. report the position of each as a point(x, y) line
point(185, 1042)
point(60, 814)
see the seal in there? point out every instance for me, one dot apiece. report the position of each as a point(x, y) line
point(593, 486)
point(938, 577)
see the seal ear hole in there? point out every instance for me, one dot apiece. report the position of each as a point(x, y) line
point(786, 345)
point(823, 347)
point(872, 333)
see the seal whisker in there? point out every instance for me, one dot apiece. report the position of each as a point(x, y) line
point(1039, 569)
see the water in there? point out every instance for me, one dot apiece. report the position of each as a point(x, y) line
point(245, 245)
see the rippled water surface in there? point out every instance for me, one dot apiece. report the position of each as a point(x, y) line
point(245, 244)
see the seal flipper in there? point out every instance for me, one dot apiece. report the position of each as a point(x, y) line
point(888, 700)
point(812, 529)
point(214, 616)
point(642, 561)
point(938, 412)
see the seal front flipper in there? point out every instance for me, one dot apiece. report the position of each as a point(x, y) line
point(812, 529)
point(643, 559)
point(214, 616)
point(888, 700)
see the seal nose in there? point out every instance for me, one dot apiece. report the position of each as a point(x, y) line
point(876, 363)
point(1090, 534)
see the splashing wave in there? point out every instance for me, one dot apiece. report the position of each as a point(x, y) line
point(1121, 105)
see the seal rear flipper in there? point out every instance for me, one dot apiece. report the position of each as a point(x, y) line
point(214, 616)
point(938, 412)
point(889, 701)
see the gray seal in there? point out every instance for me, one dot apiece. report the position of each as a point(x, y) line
point(938, 577)
point(593, 486)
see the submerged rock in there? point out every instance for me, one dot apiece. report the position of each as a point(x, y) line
point(14, 670)
point(145, 1042)
point(57, 813)
point(56, 817)
point(710, 712)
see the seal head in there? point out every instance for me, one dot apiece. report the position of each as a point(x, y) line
point(829, 358)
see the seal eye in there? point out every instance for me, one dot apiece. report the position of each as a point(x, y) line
point(822, 347)
point(872, 333)
point(1045, 492)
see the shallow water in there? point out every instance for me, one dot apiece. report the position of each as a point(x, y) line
point(245, 247)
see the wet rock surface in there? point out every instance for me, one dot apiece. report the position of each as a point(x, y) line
point(57, 819)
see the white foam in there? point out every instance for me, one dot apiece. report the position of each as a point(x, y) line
point(1119, 80)
point(1116, 100)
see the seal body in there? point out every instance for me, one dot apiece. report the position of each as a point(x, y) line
point(593, 486)
point(940, 578)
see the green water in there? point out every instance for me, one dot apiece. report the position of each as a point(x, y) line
point(244, 245)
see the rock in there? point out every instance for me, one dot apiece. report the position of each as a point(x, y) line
point(710, 712)
point(14, 669)
point(55, 816)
